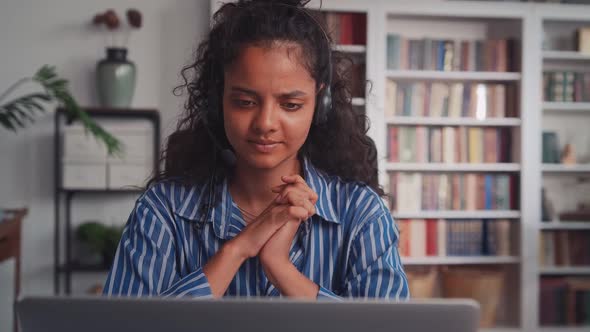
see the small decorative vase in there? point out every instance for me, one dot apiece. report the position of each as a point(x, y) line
point(115, 79)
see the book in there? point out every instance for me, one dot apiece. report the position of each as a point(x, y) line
point(390, 98)
point(550, 147)
point(583, 40)
point(393, 51)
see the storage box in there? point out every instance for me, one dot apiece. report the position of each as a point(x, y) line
point(127, 176)
point(136, 146)
point(84, 175)
point(77, 145)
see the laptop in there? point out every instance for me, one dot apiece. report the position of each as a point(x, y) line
point(118, 314)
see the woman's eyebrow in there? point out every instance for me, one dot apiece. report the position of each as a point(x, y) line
point(293, 94)
point(290, 94)
point(244, 90)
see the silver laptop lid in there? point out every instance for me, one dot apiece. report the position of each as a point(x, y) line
point(100, 314)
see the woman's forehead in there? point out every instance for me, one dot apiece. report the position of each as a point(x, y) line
point(280, 63)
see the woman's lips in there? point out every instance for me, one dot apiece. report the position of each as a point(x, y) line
point(264, 147)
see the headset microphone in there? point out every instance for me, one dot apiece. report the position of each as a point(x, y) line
point(226, 154)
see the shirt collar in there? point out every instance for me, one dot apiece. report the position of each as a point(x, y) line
point(220, 210)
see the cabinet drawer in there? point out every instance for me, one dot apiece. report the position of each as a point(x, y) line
point(136, 146)
point(79, 146)
point(125, 175)
point(84, 176)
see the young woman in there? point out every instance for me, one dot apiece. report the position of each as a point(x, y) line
point(270, 186)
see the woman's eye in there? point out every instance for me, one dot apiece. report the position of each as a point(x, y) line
point(244, 103)
point(291, 106)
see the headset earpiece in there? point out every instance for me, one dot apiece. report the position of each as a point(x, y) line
point(323, 105)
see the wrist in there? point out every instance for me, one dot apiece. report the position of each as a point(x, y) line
point(233, 248)
point(291, 282)
point(276, 269)
point(272, 260)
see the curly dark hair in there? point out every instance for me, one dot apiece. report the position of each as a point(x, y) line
point(338, 147)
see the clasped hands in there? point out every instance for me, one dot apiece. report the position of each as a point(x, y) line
point(270, 235)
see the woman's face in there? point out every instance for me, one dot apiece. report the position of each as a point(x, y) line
point(268, 104)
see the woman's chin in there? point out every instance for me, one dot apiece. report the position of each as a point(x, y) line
point(263, 161)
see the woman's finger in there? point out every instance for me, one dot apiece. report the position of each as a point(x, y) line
point(290, 190)
point(279, 188)
point(295, 178)
point(300, 199)
point(311, 195)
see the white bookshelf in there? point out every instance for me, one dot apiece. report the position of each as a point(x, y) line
point(452, 167)
point(565, 270)
point(476, 214)
point(447, 121)
point(460, 260)
point(564, 329)
point(565, 225)
point(556, 25)
point(453, 75)
point(457, 21)
point(565, 55)
point(581, 107)
point(565, 168)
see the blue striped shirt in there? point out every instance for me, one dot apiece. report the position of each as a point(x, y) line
point(348, 248)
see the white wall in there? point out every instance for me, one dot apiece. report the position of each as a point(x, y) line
point(37, 32)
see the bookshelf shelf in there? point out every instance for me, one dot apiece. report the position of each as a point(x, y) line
point(478, 214)
point(436, 121)
point(442, 167)
point(351, 48)
point(568, 270)
point(565, 55)
point(562, 168)
point(556, 225)
point(453, 75)
point(460, 260)
point(358, 101)
point(581, 107)
point(564, 329)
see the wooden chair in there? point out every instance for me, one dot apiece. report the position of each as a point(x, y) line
point(10, 247)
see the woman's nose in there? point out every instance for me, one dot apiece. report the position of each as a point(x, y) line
point(266, 118)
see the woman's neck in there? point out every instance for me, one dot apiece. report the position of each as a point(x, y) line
point(251, 188)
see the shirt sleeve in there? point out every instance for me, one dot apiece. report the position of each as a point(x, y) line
point(374, 266)
point(145, 262)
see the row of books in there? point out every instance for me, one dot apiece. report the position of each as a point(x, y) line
point(448, 144)
point(346, 28)
point(564, 301)
point(500, 55)
point(566, 86)
point(564, 248)
point(432, 237)
point(413, 192)
point(474, 100)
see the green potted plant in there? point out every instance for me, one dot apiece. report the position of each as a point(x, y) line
point(21, 110)
point(100, 239)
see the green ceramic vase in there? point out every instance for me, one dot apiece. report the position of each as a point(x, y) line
point(115, 79)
